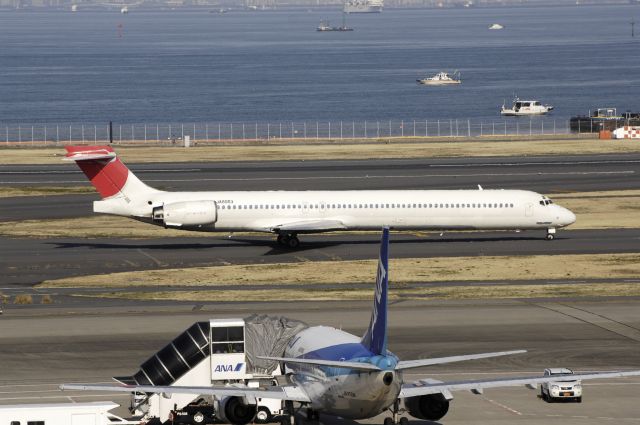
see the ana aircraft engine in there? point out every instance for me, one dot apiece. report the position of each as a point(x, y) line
point(431, 407)
point(187, 213)
point(235, 411)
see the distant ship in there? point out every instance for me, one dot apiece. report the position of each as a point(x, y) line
point(124, 10)
point(363, 6)
point(525, 107)
point(441, 79)
point(325, 26)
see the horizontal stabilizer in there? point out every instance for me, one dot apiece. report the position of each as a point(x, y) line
point(277, 393)
point(330, 363)
point(424, 388)
point(89, 153)
point(410, 364)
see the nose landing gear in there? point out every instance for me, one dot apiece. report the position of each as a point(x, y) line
point(289, 240)
point(551, 234)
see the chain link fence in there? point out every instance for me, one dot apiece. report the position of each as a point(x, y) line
point(260, 131)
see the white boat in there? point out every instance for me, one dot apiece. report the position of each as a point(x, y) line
point(525, 107)
point(363, 6)
point(496, 27)
point(74, 7)
point(124, 10)
point(441, 79)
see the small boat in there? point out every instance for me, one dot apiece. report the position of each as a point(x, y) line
point(441, 79)
point(496, 27)
point(124, 10)
point(525, 107)
point(74, 7)
point(325, 26)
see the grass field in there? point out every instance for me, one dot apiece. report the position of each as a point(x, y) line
point(403, 271)
point(398, 148)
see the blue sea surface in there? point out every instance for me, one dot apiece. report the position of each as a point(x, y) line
point(267, 66)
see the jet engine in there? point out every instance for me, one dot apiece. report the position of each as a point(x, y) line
point(235, 411)
point(431, 407)
point(187, 213)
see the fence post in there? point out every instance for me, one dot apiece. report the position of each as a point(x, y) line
point(365, 129)
point(530, 126)
point(45, 133)
point(402, 128)
point(243, 134)
point(389, 128)
point(219, 131)
point(268, 131)
point(292, 130)
point(317, 130)
point(329, 130)
point(57, 134)
point(426, 128)
point(19, 134)
point(120, 131)
point(95, 133)
point(206, 132)
point(305, 130)
point(7, 133)
point(231, 127)
point(280, 134)
point(70, 134)
point(340, 130)
point(468, 127)
point(450, 128)
point(414, 128)
point(481, 129)
point(554, 126)
point(353, 129)
point(517, 128)
point(542, 128)
point(31, 134)
point(493, 128)
point(438, 128)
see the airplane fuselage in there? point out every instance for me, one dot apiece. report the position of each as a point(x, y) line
point(358, 210)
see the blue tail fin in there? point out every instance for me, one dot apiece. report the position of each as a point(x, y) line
point(376, 337)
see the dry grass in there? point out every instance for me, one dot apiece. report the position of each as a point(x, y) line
point(11, 191)
point(4, 299)
point(403, 271)
point(441, 292)
point(46, 299)
point(595, 210)
point(394, 148)
point(23, 299)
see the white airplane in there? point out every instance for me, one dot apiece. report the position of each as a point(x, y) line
point(340, 374)
point(289, 213)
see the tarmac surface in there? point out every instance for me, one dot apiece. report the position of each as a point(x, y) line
point(548, 175)
point(28, 261)
point(43, 348)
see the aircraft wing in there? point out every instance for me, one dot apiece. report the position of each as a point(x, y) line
point(424, 387)
point(291, 393)
point(330, 363)
point(309, 226)
point(410, 364)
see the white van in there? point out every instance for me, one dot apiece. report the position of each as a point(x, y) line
point(95, 413)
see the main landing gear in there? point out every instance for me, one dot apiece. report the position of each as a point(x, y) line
point(395, 419)
point(289, 240)
point(551, 234)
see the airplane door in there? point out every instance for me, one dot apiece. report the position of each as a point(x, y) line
point(528, 210)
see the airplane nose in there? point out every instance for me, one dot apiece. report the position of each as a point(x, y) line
point(567, 217)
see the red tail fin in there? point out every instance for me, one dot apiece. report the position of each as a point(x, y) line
point(101, 166)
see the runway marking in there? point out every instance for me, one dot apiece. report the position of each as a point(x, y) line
point(364, 177)
point(516, 164)
point(152, 258)
point(594, 319)
point(224, 262)
point(502, 406)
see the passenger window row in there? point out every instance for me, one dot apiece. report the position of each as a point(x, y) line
point(362, 206)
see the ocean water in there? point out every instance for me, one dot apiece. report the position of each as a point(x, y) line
point(196, 66)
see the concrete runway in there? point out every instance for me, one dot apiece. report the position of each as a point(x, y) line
point(548, 175)
point(24, 262)
point(41, 349)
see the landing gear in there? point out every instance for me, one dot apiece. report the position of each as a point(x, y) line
point(551, 234)
point(289, 240)
point(395, 419)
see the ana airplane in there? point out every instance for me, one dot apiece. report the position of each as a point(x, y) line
point(337, 373)
point(288, 213)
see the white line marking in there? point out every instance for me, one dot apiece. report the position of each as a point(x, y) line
point(507, 408)
point(365, 177)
